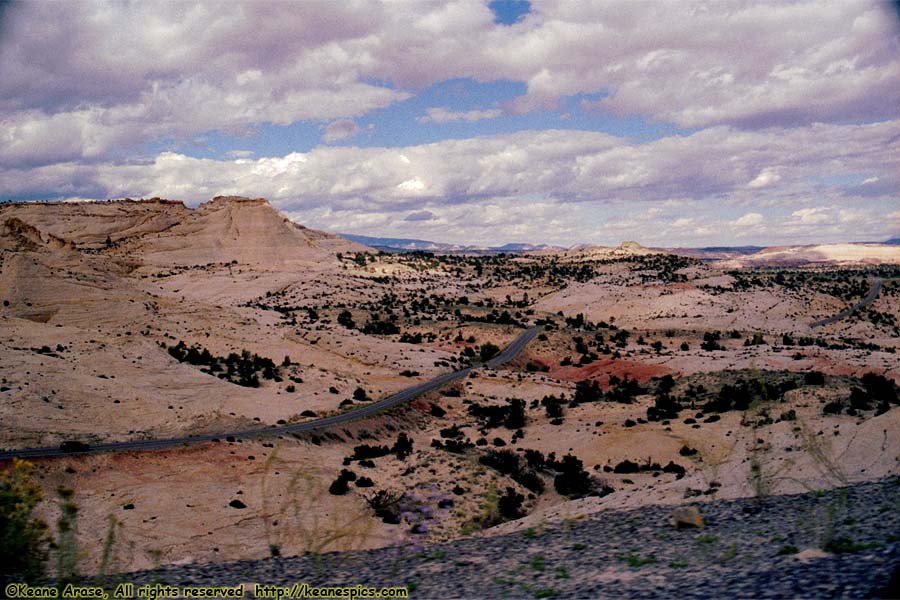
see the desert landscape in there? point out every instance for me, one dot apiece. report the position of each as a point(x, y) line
point(463, 299)
point(654, 379)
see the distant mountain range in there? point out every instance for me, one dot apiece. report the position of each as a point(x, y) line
point(408, 245)
point(388, 244)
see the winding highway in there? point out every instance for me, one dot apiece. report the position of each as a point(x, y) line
point(401, 397)
point(873, 293)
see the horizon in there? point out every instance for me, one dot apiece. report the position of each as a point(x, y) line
point(481, 122)
point(580, 244)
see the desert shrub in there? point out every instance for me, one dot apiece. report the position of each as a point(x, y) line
point(453, 446)
point(242, 369)
point(860, 400)
point(675, 468)
point(507, 462)
point(665, 407)
point(833, 408)
point(23, 537)
point(745, 392)
point(365, 451)
point(346, 319)
point(573, 481)
point(624, 390)
point(587, 390)
point(553, 406)
point(515, 418)
point(504, 461)
point(535, 459)
point(378, 327)
point(407, 338)
point(67, 542)
point(386, 506)
point(511, 416)
point(626, 467)
point(665, 384)
point(756, 340)
point(880, 388)
point(452, 433)
point(403, 447)
point(814, 378)
point(510, 504)
point(488, 351)
point(529, 480)
point(339, 486)
point(711, 341)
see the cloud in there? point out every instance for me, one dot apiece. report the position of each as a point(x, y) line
point(749, 220)
point(575, 165)
point(445, 115)
point(673, 183)
point(766, 178)
point(340, 130)
point(813, 216)
point(422, 215)
point(83, 81)
point(239, 153)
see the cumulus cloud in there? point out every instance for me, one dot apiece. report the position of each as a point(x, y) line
point(445, 115)
point(766, 178)
point(749, 220)
point(340, 130)
point(813, 216)
point(673, 184)
point(80, 80)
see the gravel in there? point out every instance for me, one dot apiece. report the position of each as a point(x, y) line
point(768, 547)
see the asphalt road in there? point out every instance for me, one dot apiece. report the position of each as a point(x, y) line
point(873, 293)
point(402, 397)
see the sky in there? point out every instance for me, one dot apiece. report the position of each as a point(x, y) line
point(672, 123)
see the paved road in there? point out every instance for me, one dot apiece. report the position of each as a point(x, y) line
point(873, 293)
point(402, 397)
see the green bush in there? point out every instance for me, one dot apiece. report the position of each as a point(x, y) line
point(488, 351)
point(23, 537)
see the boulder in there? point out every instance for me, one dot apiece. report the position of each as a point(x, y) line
point(687, 516)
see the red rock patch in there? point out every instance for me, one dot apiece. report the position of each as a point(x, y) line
point(602, 369)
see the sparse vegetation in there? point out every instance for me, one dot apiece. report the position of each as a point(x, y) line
point(23, 536)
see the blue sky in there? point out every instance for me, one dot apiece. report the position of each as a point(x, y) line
point(401, 124)
point(486, 122)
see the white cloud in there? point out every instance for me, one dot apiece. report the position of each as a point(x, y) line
point(813, 216)
point(766, 178)
point(749, 220)
point(684, 190)
point(445, 115)
point(79, 80)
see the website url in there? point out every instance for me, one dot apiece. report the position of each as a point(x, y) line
point(304, 590)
